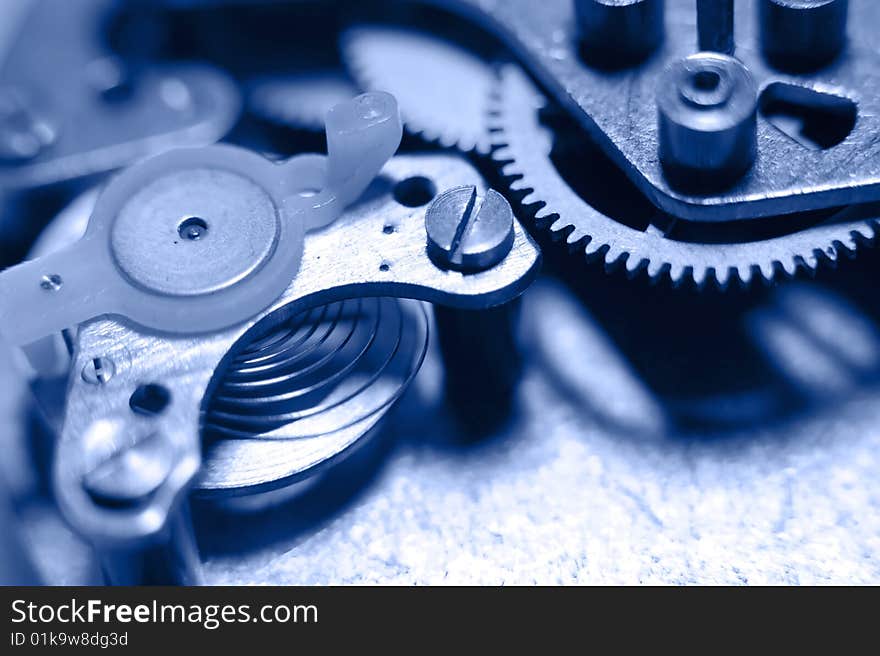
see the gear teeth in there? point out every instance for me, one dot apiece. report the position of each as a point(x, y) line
point(685, 276)
point(846, 248)
point(556, 223)
point(790, 267)
point(766, 270)
point(561, 235)
point(513, 119)
point(615, 257)
point(593, 249)
point(726, 278)
point(635, 265)
point(863, 236)
point(502, 155)
point(812, 260)
point(702, 276)
point(575, 237)
point(656, 268)
point(803, 265)
point(541, 220)
point(676, 271)
point(739, 275)
point(519, 185)
point(780, 271)
point(734, 277)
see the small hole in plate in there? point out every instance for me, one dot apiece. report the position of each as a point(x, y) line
point(415, 191)
point(150, 399)
point(192, 228)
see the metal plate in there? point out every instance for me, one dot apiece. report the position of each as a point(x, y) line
point(169, 106)
point(618, 107)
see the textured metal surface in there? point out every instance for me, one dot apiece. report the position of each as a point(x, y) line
point(523, 148)
point(618, 107)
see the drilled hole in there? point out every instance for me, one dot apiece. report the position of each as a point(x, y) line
point(384, 267)
point(193, 228)
point(705, 80)
point(150, 399)
point(414, 192)
point(815, 120)
point(388, 229)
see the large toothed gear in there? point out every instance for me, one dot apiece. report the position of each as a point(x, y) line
point(522, 148)
point(442, 89)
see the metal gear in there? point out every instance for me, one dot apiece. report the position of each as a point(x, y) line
point(522, 148)
point(442, 89)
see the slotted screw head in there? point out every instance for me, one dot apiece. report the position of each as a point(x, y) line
point(469, 232)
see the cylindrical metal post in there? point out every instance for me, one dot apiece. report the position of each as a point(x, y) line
point(715, 26)
point(617, 33)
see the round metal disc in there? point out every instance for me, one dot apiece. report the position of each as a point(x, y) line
point(194, 232)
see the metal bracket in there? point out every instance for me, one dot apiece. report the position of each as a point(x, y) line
point(618, 106)
point(377, 248)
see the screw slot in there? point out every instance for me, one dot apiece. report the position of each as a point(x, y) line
point(193, 228)
point(51, 283)
point(99, 370)
point(415, 191)
point(150, 399)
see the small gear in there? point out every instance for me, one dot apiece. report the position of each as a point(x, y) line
point(442, 89)
point(299, 101)
point(717, 255)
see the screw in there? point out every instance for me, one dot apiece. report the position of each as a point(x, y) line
point(715, 25)
point(707, 114)
point(801, 35)
point(98, 371)
point(51, 283)
point(468, 232)
point(23, 133)
point(619, 33)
